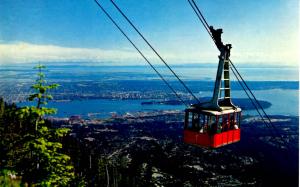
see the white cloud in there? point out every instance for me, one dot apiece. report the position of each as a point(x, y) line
point(26, 52)
point(21, 52)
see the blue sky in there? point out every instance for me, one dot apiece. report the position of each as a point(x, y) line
point(261, 31)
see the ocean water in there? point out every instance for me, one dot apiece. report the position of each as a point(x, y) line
point(284, 102)
point(277, 85)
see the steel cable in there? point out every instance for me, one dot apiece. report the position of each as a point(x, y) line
point(157, 72)
point(142, 36)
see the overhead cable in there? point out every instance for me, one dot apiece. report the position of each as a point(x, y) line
point(139, 51)
point(142, 36)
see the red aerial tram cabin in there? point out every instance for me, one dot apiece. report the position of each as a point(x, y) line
point(215, 123)
point(210, 128)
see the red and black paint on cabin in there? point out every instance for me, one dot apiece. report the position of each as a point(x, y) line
point(212, 129)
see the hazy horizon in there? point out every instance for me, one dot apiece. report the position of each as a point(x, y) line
point(78, 31)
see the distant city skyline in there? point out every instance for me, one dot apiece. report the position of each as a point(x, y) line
point(261, 31)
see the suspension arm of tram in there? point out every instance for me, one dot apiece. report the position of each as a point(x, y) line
point(216, 37)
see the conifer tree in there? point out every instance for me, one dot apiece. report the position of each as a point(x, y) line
point(9, 134)
point(2, 107)
point(41, 160)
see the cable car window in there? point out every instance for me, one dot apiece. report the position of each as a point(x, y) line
point(232, 120)
point(206, 123)
point(218, 127)
point(212, 123)
point(186, 119)
point(225, 122)
point(190, 120)
point(202, 122)
point(196, 121)
point(238, 120)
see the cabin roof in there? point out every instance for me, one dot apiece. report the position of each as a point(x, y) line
point(224, 110)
